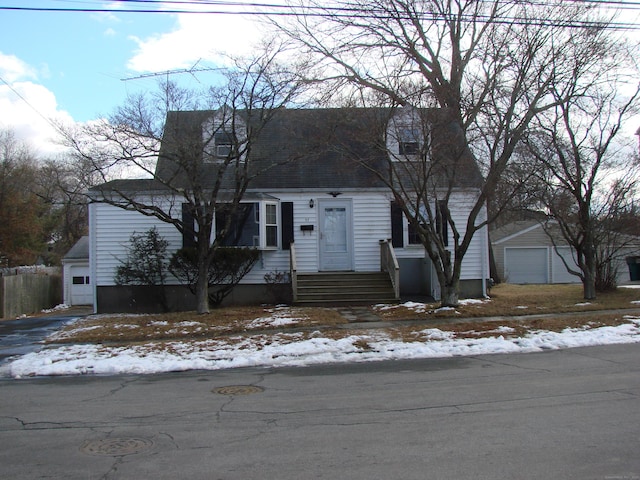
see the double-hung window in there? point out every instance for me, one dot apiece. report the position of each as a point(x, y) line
point(251, 224)
point(408, 141)
point(223, 144)
point(270, 225)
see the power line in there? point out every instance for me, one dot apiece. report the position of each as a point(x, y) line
point(19, 95)
point(274, 9)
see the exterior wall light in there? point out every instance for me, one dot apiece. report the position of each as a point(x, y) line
point(311, 203)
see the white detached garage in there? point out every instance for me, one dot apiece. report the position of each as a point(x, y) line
point(78, 289)
point(524, 254)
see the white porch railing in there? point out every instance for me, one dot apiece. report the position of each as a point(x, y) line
point(293, 271)
point(389, 264)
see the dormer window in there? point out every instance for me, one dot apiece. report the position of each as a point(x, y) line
point(408, 142)
point(223, 144)
point(407, 136)
point(224, 138)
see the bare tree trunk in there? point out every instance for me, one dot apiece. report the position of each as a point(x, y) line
point(589, 273)
point(202, 291)
point(202, 283)
point(449, 294)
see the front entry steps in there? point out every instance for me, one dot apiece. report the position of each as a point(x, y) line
point(344, 288)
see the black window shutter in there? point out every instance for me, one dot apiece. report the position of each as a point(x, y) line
point(397, 233)
point(286, 232)
point(442, 222)
point(188, 232)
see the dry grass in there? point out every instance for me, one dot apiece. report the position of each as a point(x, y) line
point(180, 325)
point(510, 300)
point(233, 324)
point(508, 328)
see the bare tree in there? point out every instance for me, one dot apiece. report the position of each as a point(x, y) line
point(586, 177)
point(191, 167)
point(489, 65)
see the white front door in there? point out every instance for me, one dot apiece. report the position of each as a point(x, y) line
point(336, 237)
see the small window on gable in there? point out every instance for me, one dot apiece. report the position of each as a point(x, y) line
point(408, 141)
point(224, 136)
point(223, 144)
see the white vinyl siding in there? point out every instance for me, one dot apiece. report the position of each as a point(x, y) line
point(526, 265)
point(475, 262)
point(111, 228)
point(560, 274)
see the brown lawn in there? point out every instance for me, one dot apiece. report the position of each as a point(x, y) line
point(560, 305)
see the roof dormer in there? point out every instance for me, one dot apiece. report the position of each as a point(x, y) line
point(407, 135)
point(224, 136)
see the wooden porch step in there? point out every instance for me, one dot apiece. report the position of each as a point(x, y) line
point(342, 288)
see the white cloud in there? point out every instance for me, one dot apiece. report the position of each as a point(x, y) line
point(12, 68)
point(195, 37)
point(27, 108)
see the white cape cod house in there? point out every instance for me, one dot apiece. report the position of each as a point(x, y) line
point(316, 214)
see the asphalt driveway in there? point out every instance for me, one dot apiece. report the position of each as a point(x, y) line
point(25, 335)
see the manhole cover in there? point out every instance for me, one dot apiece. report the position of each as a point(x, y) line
point(116, 447)
point(238, 390)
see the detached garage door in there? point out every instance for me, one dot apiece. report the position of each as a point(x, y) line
point(81, 289)
point(526, 265)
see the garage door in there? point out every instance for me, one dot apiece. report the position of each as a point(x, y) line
point(560, 273)
point(81, 290)
point(526, 265)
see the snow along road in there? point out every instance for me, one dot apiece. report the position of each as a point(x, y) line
point(297, 349)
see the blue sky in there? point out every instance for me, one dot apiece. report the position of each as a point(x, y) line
point(68, 66)
point(81, 57)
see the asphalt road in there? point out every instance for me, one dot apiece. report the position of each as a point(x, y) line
point(572, 414)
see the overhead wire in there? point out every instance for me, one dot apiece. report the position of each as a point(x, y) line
point(230, 7)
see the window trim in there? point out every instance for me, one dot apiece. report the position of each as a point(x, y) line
point(260, 217)
point(264, 225)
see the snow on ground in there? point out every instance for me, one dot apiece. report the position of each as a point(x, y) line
point(299, 349)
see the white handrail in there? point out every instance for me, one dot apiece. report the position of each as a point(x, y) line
point(389, 264)
point(293, 271)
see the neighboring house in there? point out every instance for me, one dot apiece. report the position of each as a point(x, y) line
point(524, 253)
point(318, 210)
point(75, 274)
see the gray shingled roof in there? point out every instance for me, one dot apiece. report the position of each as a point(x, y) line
point(307, 149)
point(79, 251)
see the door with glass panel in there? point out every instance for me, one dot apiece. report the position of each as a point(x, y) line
point(336, 237)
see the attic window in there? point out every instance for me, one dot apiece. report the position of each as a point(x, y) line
point(223, 144)
point(408, 141)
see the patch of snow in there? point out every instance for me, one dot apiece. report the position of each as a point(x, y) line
point(57, 308)
point(523, 307)
point(584, 304)
point(445, 309)
point(473, 301)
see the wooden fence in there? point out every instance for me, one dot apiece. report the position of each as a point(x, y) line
point(27, 293)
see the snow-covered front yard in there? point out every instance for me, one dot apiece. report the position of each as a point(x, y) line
point(308, 347)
